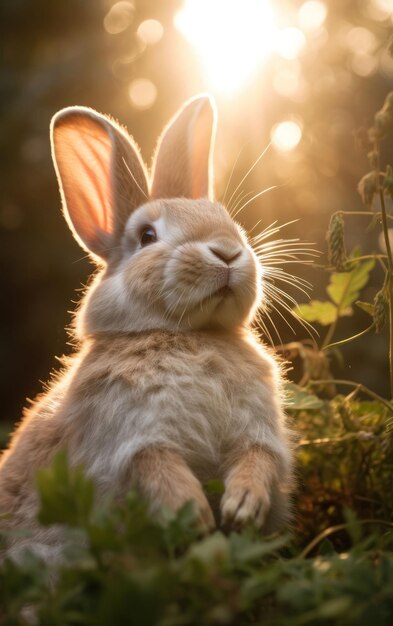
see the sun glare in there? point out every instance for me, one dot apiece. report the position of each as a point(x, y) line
point(232, 37)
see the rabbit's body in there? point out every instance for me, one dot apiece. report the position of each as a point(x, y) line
point(170, 388)
point(200, 394)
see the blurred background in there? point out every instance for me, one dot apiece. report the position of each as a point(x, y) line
point(303, 75)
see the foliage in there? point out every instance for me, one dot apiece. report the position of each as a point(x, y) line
point(343, 289)
point(336, 568)
point(351, 274)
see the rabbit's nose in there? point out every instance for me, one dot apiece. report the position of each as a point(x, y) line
point(225, 254)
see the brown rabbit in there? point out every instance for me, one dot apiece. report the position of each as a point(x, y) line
point(170, 386)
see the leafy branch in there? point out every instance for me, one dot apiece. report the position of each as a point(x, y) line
point(352, 273)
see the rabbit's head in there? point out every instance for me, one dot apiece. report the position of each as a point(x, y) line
point(172, 257)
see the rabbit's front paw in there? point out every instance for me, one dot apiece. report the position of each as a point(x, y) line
point(165, 479)
point(243, 504)
point(204, 515)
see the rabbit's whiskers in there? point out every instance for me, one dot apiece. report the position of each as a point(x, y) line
point(272, 255)
point(258, 159)
point(233, 170)
point(254, 197)
point(134, 179)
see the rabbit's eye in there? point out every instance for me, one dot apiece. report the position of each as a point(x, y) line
point(148, 235)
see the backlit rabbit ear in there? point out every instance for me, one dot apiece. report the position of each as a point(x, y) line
point(101, 176)
point(182, 164)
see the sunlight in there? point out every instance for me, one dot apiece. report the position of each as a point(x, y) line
point(232, 37)
point(290, 42)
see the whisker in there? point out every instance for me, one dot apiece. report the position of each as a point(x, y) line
point(250, 170)
point(282, 243)
point(266, 232)
point(232, 171)
point(257, 195)
point(282, 316)
point(286, 277)
point(300, 287)
point(134, 179)
point(282, 293)
point(279, 298)
point(273, 325)
point(239, 198)
point(271, 228)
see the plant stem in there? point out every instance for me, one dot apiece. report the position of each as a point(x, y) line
point(338, 528)
point(389, 285)
point(350, 383)
point(332, 328)
point(389, 282)
point(330, 333)
point(386, 229)
point(373, 213)
point(365, 257)
point(338, 343)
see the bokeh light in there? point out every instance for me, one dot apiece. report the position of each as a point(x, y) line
point(142, 93)
point(312, 15)
point(150, 32)
point(231, 40)
point(119, 17)
point(361, 40)
point(364, 64)
point(380, 10)
point(286, 135)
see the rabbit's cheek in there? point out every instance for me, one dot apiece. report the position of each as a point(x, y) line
point(143, 274)
point(183, 273)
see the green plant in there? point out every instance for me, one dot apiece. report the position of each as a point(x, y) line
point(129, 569)
point(350, 273)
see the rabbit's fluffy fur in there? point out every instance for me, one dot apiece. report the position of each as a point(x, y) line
point(170, 387)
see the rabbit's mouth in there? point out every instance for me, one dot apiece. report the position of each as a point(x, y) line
point(221, 293)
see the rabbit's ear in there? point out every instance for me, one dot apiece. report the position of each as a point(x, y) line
point(101, 176)
point(182, 164)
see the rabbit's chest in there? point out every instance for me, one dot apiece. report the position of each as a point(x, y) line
point(195, 401)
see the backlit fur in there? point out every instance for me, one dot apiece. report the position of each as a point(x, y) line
point(170, 387)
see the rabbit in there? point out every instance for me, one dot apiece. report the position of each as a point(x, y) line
point(171, 386)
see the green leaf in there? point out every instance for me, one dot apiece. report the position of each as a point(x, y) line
point(366, 306)
point(324, 313)
point(326, 548)
point(211, 551)
point(66, 495)
point(345, 287)
point(354, 527)
point(335, 607)
point(297, 399)
point(244, 549)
